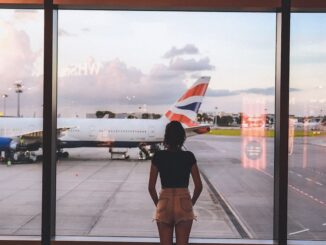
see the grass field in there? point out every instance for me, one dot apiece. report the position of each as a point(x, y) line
point(268, 133)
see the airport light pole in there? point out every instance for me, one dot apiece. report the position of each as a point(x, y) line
point(215, 116)
point(4, 96)
point(19, 90)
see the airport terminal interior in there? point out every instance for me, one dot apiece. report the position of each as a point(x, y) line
point(87, 88)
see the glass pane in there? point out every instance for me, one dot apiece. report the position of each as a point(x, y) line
point(128, 69)
point(307, 192)
point(21, 88)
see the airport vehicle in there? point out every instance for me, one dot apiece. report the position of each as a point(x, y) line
point(311, 124)
point(25, 134)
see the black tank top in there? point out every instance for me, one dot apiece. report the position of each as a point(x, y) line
point(174, 167)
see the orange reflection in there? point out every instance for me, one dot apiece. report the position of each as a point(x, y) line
point(304, 145)
point(291, 135)
point(253, 131)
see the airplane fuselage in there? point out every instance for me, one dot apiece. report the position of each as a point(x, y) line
point(91, 132)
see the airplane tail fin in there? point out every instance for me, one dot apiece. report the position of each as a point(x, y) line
point(187, 106)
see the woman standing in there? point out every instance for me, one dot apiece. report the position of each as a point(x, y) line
point(174, 207)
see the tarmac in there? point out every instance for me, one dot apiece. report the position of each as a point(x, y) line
point(100, 197)
point(97, 196)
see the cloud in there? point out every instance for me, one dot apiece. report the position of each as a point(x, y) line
point(18, 62)
point(262, 91)
point(270, 91)
point(265, 91)
point(220, 92)
point(86, 29)
point(161, 72)
point(310, 59)
point(295, 90)
point(187, 49)
point(193, 65)
point(115, 82)
point(17, 57)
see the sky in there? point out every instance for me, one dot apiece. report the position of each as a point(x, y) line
point(144, 61)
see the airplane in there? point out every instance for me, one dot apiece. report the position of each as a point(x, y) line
point(312, 124)
point(25, 134)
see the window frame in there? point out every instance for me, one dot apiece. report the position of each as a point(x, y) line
point(283, 10)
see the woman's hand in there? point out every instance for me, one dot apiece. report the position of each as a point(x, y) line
point(197, 182)
point(152, 183)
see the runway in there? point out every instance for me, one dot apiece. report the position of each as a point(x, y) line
point(248, 190)
point(97, 196)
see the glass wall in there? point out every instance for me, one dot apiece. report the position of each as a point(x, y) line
point(307, 168)
point(21, 88)
point(122, 75)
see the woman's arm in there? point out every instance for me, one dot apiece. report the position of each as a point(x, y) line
point(152, 183)
point(197, 182)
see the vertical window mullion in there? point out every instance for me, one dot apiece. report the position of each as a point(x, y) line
point(49, 122)
point(282, 121)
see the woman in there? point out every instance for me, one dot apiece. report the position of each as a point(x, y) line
point(174, 207)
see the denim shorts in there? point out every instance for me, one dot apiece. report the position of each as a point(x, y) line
point(174, 205)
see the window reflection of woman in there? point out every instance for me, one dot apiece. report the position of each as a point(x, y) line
point(174, 206)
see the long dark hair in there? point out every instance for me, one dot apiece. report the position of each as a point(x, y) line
point(175, 135)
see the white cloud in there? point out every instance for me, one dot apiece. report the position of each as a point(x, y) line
point(17, 57)
point(193, 65)
point(115, 82)
point(187, 49)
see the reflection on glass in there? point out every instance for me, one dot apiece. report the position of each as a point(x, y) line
point(120, 69)
point(307, 192)
point(21, 90)
point(253, 132)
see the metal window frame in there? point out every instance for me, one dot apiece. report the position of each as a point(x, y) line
point(282, 75)
point(282, 8)
point(49, 122)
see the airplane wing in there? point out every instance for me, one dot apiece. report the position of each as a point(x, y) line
point(39, 133)
point(200, 129)
point(27, 140)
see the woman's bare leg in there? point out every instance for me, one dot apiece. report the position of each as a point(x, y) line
point(166, 233)
point(182, 232)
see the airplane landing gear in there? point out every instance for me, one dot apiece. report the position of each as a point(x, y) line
point(62, 154)
point(143, 153)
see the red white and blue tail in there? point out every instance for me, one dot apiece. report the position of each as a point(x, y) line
point(186, 108)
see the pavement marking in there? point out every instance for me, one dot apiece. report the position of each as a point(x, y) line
point(316, 171)
point(297, 232)
point(264, 172)
point(308, 179)
point(307, 195)
point(324, 224)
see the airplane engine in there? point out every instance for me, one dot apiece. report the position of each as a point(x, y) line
point(5, 144)
point(9, 144)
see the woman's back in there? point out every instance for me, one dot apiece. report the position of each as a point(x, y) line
point(174, 167)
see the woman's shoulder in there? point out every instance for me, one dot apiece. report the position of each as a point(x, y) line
point(190, 156)
point(189, 153)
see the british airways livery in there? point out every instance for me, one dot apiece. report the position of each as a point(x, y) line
point(25, 134)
